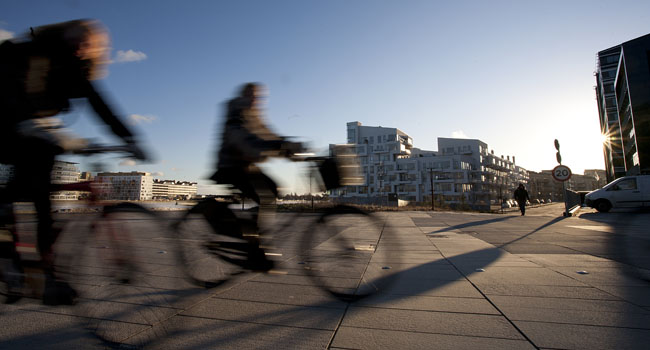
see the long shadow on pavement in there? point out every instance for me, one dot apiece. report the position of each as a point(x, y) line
point(206, 337)
point(474, 223)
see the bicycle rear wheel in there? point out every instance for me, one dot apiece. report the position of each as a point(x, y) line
point(345, 253)
point(208, 236)
point(124, 275)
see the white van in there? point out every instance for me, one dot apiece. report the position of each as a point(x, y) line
point(624, 192)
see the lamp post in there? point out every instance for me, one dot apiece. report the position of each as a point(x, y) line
point(380, 178)
point(431, 179)
point(311, 194)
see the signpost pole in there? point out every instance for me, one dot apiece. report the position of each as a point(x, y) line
point(563, 179)
point(566, 199)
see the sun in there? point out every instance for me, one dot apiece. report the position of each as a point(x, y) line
point(604, 138)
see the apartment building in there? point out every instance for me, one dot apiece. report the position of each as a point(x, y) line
point(623, 96)
point(125, 186)
point(173, 189)
point(461, 172)
point(62, 173)
point(65, 173)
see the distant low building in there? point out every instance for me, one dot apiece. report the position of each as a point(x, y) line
point(65, 173)
point(542, 185)
point(85, 176)
point(600, 176)
point(125, 186)
point(173, 189)
point(62, 173)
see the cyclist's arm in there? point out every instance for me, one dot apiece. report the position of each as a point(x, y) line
point(14, 106)
point(106, 113)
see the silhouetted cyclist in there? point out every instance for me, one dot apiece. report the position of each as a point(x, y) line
point(38, 77)
point(247, 140)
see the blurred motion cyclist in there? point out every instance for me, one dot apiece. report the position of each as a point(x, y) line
point(247, 140)
point(38, 77)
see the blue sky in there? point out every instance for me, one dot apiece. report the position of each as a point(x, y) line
point(514, 74)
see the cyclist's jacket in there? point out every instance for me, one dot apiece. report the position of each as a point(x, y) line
point(37, 80)
point(246, 138)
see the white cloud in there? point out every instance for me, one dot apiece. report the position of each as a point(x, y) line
point(459, 134)
point(157, 173)
point(176, 169)
point(5, 35)
point(129, 56)
point(140, 119)
point(127, 162)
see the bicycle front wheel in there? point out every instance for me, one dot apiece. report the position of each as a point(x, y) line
point(346, 255)
point(126, 290)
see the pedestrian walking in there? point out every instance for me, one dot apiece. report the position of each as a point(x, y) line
point(521, 196)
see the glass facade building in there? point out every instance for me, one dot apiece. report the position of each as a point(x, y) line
point(623, 95)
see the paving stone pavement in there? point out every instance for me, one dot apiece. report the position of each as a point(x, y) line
point(463, 281)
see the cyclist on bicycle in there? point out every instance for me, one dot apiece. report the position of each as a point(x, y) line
point(247, 140)
point(38, 77)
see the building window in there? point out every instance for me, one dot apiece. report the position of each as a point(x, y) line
point(352, 135)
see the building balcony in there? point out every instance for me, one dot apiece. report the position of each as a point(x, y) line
point(496, 167)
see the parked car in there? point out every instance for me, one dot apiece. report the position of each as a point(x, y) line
point(624, 192)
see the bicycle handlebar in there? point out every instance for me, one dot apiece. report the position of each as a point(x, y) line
point(96, 149)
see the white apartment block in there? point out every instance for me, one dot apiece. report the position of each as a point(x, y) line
point(462, 171)
point(131, 186)
point(172, 189)
point(62, 173)
point(65, 173)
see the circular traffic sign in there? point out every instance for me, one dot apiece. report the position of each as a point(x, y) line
point(561, 173)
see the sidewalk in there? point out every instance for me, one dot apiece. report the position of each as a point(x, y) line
point(465, 281)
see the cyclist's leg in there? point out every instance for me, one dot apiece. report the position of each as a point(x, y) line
point(266, 194)
point(253, 184)
point(266, 191)
point(32, 174)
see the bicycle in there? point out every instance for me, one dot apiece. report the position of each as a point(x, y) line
point(98, 256)
point(339, 248)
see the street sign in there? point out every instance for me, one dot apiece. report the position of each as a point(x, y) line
point(561, 173)
point(557, 155)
